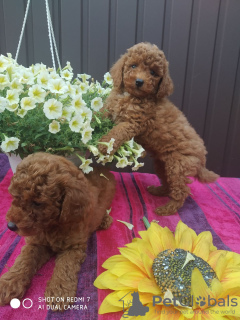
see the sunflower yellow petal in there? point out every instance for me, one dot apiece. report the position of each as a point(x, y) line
point(201, 243)
point(149, 285)
point(123, 267)
point(216, 288)
point(147, 262)
point(231, 281)
point(133, 256)
point(144, 235)
point(221, 266)
point(111, 304)
point(131, 279)
point(110, 262)
point(207, 316)
point(146, 297)
point(155, 238)
point(214, 256)
point(202, 249)
point(180, 228)
point(168, 240)
point(107, 280)
point(198, 286)
point(186, 241)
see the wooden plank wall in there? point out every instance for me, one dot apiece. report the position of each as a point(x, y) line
point(201, 39)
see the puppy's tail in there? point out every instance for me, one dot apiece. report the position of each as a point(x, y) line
point(206, 176)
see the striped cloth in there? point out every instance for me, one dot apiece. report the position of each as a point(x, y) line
point(214, 207)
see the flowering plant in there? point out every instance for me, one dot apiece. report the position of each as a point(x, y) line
point(46, 110)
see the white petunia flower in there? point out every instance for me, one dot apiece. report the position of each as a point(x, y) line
point(87, 134)
point(16, 85)
point(97, 104)
point(76, 124)
point(123, 152)
point(122, 162)
point(108, 78)
point(3, 81)
point(12, 107)
point(57, 86)
point(67, 113)
point(28, 103)
point(11, 71)
point(78, 103)
point(26, 77)
point(86, 113)
point(77, 91)
point(84, 76)
point(101, 91)
point(66, 74)
point(3, 104)
point(21, 113)
point(137, 164)
point(108, 144)
point(107, 91)
point(71, 90)
point(130, 143)
point(37, 68)
point(12, 97)
point(83, 87)
point(53, 74)
point(3, 63)
point(37, 93)
point(52, 109)
point(43, 78)
point(10, 144)
point(93, 149)
point(68, 66)
point(85, 166)
point(54, 127)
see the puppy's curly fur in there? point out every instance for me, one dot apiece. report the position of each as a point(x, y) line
point(139, 106)
point(56, 207)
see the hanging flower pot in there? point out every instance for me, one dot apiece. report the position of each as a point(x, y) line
point(46, 109)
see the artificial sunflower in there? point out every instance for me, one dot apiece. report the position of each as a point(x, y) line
point(174, 277)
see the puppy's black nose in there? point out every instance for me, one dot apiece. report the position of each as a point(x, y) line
point(139, 83)
point(12, 226)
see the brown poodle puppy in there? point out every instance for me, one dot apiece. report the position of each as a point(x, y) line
point(139, 107)
point(56, 207)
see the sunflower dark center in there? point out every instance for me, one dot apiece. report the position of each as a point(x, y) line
point(171, 274)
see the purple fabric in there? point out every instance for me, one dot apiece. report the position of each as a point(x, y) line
point(4, 165)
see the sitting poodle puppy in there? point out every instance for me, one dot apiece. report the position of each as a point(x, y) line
point(139, 107)
point(56, 207)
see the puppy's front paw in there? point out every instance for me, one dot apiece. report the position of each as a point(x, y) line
point(59, 295)
point(10, 288)
point(158, 191)
point(102, 149)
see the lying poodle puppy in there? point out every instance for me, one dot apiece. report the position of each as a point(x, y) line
point(139, 107)
point(56, 207)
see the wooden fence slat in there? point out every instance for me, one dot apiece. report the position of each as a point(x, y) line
point(222, 83)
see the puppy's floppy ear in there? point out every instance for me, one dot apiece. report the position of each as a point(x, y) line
point(117, 71)
point(77, 199)
point(165, 85)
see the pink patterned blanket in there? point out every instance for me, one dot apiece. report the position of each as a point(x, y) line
point(214, 207)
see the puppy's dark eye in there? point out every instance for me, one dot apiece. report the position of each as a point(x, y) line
point(134, 66)
point(153, 73)
point(36, 204)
